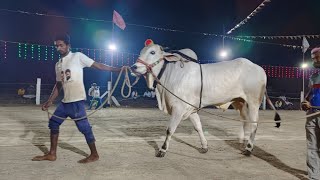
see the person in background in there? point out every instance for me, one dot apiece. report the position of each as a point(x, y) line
point(312, 126)
point(94, 92)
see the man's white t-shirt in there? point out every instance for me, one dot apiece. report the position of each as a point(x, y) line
point(69, 70)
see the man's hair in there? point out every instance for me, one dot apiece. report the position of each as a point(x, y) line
point(63, 37)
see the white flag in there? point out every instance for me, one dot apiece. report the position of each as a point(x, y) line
point(305, 44)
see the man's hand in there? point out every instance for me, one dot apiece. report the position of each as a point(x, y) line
point(305, 105)
point(46, 105)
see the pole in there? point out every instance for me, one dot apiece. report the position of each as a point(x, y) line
point(112, 39)
point(303, 74)
point(38, 88)
point(111, 63)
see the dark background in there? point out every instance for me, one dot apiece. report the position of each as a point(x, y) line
point(282, 17)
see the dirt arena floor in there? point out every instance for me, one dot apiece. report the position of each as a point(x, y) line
point(127, 139)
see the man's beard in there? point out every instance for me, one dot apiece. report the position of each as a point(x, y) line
point(316, 64)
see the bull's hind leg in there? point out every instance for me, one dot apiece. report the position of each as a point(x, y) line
point(241, 106)
point(253, 114)
point(173, 124)
point(195, 119)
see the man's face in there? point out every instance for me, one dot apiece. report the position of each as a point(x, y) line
point(61, 47)
point(316, 59)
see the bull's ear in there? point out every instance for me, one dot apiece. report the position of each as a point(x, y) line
point(171, 57)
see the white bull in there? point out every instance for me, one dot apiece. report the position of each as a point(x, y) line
point(239, 83)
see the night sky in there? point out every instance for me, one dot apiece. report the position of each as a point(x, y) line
point(284, 17)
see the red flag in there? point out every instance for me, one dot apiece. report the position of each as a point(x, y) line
point(118, 20)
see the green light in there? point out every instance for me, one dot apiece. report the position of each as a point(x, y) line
point(52, 52)
point(39, 52)
point(32, 52)
point(25, 51)
point(19, 50)
point(46, 54)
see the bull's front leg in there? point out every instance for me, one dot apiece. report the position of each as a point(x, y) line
point(172, 126)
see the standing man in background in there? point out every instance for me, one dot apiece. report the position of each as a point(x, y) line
point(312, 105)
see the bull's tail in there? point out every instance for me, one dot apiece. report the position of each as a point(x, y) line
point(276, 116)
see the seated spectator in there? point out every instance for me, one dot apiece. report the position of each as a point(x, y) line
point(147, 94)
point(21, 93)
point(94, 93)
point(134, 94)
point(30, 93)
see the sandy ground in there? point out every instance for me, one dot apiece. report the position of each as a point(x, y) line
point(128, 138)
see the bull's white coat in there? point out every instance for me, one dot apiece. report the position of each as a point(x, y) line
point(238, 82)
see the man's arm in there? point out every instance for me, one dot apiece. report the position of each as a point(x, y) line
point(104, 67)
point(55, 93)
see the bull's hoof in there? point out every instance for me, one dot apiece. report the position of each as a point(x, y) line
point(203, 150)
point(160, 154)
point(246, 153)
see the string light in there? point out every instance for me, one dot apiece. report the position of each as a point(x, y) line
point(19, 50)
point(39, 53)
point(32, 51)
point(5, 50)
point(46, 54)
point(122, 59)
point(25, 51)
point(117, 58)
point(52, 53)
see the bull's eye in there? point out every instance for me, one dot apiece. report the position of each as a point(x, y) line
point(152, 52)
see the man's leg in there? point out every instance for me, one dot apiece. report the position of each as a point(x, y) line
point(91, 102)
point(99, 103)
point(54, 124)
point(85, 128)
point(313, 154)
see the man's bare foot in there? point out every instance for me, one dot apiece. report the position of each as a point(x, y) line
point(47, 157)
point(89, 159)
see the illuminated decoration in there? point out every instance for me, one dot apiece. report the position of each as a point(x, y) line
point(5, 50)
point(32, 51)
point(128, 59)
point(52, 53)
point(19, 50)
point(122, 58)
point(39, 52)
point(295, 37)
point(46, 53)
point(100, 55)
point(117, 59)
point(25, 51)
point(94, 54)
point(288, 72)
